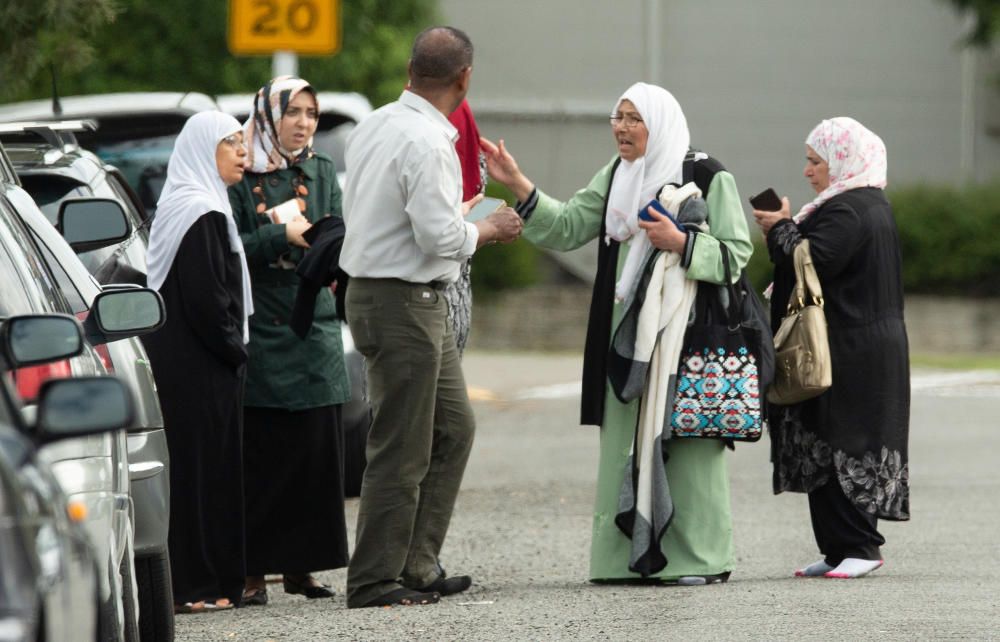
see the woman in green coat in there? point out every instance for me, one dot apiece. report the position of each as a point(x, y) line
point(652, 139)
point(293, 440)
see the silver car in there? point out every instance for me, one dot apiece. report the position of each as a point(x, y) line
point(48, 583)
point(93, 470)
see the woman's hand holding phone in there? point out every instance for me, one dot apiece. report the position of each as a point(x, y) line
point(769, 209)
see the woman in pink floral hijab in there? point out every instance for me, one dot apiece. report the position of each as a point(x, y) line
point(846, 448)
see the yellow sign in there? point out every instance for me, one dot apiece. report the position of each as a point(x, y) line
point(310, 27)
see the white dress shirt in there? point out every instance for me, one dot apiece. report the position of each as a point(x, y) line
point(403, 196)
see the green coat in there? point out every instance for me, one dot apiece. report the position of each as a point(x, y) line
point(284, 371)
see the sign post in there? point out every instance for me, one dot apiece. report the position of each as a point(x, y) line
point(307, 27)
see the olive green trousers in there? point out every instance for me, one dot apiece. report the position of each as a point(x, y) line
point(420, 438)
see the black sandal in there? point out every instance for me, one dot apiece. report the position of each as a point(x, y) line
point(254, 596)
point(402, 597)
point(311, 591)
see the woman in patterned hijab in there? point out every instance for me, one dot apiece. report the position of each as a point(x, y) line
point(846, 448)
point(293, 436)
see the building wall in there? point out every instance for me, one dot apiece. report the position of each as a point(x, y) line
point(752, 77)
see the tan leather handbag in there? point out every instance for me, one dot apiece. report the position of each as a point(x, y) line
point(802, 350)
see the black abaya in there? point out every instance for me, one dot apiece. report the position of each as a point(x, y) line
point(199, 361)
point(295, 498)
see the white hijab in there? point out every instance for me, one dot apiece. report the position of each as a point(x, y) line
point(193, 189)
point(637, 182)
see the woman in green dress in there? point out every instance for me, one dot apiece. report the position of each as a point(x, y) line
point(293, 441)
point(652, 141)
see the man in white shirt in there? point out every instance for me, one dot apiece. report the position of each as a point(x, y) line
point(406, 238)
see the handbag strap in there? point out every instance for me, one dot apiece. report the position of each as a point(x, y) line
point(807, 286)
point(734, 313)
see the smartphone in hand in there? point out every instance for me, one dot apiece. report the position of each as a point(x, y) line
point(766, 201)
point(644, 214)
point(484, 208)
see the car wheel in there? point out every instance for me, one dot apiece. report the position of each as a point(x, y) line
point(156, 597)
point(130, 608)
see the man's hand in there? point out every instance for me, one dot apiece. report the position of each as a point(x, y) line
point(469, 204)
point(503, 226)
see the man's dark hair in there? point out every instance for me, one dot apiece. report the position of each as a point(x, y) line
point(439, 55)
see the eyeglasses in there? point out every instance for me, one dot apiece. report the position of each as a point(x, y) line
point(628, 122)
point(235, 141)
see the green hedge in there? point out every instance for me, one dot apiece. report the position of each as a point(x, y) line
point(502, 267)
point(950, 238)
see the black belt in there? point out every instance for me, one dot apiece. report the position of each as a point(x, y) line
point(436, 285)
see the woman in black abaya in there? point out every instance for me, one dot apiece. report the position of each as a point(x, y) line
point(196, 261)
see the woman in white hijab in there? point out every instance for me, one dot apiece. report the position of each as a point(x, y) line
point(694, 545)
point(196, 261)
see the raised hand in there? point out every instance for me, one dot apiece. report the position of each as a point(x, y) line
point(503, 168)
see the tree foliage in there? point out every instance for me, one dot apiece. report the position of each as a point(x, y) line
point(180, 45)
point(40, 33)
point(986, 20)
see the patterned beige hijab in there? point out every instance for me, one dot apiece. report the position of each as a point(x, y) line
point(261, 129)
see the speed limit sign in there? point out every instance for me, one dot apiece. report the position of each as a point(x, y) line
point(301, 26)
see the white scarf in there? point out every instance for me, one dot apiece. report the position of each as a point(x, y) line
point(193, 189)
point(637, 182)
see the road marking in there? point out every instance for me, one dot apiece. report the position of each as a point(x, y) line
point(940, 383)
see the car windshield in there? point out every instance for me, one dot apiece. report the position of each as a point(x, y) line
point(143, 162)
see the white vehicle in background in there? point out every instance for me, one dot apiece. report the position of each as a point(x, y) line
point(135, 130)
point(338, 114)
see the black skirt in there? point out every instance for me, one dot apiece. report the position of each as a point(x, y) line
point(293, 473)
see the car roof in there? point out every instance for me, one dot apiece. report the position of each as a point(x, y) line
point(122, 103)
point(77, 164)
point(350, 105)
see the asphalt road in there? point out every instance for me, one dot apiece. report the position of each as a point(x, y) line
point(522, 530)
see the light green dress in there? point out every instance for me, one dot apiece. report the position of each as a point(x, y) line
point(699, 541)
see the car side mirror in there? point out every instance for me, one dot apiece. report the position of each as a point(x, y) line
point(123, 313)
point(79, 406)
point(92, 223)
point(39, 338)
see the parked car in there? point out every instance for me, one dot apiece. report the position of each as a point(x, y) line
point(136, 130)
point(93, 470)
point(53, 169)
point(48, 579)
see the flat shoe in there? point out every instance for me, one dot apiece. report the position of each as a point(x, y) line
point(311, 592)
point(256, 596)
point(401, 597)
point(448, 585)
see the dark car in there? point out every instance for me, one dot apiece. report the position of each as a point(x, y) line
point(48, 578)
point(53, 169)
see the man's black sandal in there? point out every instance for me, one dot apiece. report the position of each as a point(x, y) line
point(402, 597)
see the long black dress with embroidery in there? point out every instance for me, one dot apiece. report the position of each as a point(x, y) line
point(857, 431)
point(199, 361)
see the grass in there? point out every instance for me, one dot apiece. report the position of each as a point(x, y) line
point(956, 361)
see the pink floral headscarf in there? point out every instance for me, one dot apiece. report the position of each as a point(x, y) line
point(856, 157)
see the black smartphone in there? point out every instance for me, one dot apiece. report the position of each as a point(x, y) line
point(766, 201)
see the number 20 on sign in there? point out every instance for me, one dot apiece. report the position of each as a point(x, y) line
point(302, 26)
